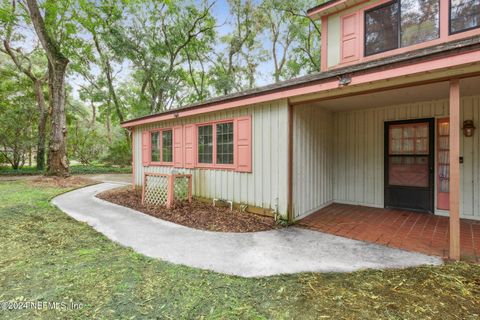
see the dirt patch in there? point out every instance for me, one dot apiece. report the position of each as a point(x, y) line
point(58, 182)
point(198, 215)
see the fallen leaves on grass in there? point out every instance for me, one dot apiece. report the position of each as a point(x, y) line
point(448, 291)
point(47, 256)
point(197, 214)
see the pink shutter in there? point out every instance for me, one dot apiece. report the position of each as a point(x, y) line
point(349, 42)
point(243, 144)
point(146, 146)
point(189, 146)
point(178, 146)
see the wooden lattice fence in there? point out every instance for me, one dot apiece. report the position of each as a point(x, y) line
point(165, 189)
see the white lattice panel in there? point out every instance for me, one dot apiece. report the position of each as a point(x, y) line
point(156, 190)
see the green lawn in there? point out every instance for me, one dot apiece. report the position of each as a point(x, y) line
point(45, 255)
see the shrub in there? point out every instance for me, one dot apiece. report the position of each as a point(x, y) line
point(119, 153)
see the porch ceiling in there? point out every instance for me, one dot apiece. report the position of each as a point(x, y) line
point(427, 92)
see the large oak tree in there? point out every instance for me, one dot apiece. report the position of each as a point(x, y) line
point(57, 67)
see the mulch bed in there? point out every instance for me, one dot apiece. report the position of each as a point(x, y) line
point(198, 215)
point(59, 182)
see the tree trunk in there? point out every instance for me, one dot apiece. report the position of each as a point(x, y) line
point(42, 124)
point(57, 65)
point(57, 153)
point(107, 124)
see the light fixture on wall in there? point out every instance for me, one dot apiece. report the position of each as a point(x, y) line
point(344, 80)
point(468, 128)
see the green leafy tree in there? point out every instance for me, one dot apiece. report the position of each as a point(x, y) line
point(235, 67)
point(57, 67)
point(156, 40)
point(31, 63)
point(17, 116)
point(87, 139)
point(294, 37)
point(98, 19)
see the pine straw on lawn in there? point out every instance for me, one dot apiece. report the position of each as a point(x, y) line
point(198, 215)
point(45, 255)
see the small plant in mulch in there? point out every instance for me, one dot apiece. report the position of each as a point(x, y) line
point(199, 215)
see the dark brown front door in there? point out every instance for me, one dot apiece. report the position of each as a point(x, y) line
point(409, 163)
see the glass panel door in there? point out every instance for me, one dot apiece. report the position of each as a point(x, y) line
point(443, 164)
point(409, 164)
point(408, 155)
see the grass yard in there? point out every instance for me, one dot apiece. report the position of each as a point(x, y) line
point(47, 256)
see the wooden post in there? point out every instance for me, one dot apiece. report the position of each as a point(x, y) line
point(143, 187)
point(171, 190)
point(189, 188)
point(455, 169)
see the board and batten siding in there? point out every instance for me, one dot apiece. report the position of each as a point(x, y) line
point(358, 163)
point(266, 186)
point(312, 159)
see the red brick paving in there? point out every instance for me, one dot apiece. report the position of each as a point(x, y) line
point(413, 231)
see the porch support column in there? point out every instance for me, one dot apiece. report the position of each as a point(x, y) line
point(455, 169)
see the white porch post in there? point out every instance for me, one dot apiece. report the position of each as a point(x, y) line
point(455, 169)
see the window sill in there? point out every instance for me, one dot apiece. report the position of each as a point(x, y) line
point(202, 166)
point(214, 166)
point(160, 164)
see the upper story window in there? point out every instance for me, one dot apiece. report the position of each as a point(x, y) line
point(464, 15)
point(401, 23)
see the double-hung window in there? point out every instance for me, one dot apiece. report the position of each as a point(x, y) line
point(215, 144)
point(401, 23)
point(167, 146)
point(205, 144)
point(162, 146)
point(464, 15)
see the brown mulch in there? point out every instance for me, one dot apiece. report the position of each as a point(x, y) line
point(59, 182)
point(198, 215)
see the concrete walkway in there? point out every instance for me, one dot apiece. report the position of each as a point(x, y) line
point(288, 250)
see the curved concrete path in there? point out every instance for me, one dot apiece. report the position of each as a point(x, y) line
point(288, 250)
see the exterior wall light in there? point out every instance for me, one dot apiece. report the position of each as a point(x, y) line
point(468, 128)
point(344, 80)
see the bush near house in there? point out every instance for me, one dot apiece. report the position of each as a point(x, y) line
point(74, 169)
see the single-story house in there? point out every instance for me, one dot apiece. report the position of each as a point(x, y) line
point(388, 121)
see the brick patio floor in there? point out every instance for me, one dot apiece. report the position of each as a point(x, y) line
point(413, 231)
